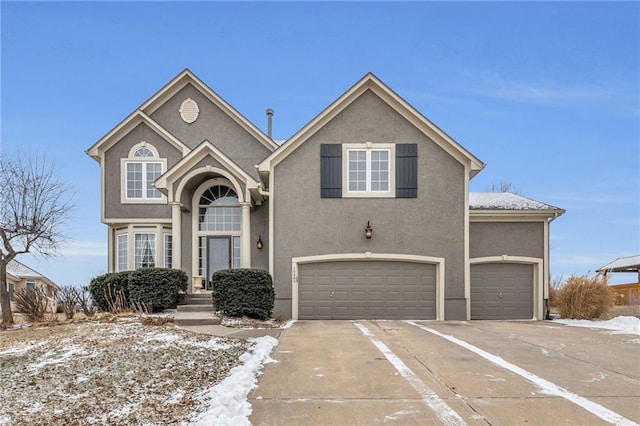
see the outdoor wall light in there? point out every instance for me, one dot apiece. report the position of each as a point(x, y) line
point(368, 231)
point(259, 242)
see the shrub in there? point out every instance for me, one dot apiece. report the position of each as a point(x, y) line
point(110, 292)
point(584, 297)
point(67, 299)
point(32, 303)
point(86, 302)
point(243, 292)
point(159, 288)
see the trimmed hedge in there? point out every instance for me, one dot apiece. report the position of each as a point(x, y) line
point(243, 292)
point(161, 288)
point(105, 288)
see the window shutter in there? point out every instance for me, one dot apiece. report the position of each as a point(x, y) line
point(406, 170)
point(331, 171)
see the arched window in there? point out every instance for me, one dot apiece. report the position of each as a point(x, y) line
point(141, 169)
point(219, 209)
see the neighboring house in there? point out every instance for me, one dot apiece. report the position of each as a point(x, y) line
point(626, 294)
point(20, 276)
point(189, 183)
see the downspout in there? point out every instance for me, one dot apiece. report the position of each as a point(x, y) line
point(262, 191)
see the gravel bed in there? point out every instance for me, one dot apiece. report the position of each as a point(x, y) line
point(120, 373)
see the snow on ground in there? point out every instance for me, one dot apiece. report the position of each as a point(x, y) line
point(227, 400)
point(623, 324)
point(126, 373)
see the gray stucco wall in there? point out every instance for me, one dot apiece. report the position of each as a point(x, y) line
point(260, 227)
point(430, 225)
point(510, 238)
point(113, 175)
point(214, 125)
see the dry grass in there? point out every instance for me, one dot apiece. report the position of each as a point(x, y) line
point(118, 372)
point(583, 297)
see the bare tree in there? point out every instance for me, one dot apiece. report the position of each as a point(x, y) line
point(503, 186)
point(33, 208)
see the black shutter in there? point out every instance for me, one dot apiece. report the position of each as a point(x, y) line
point(406, 170)
point(331, 171)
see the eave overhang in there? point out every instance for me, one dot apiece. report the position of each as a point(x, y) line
point(127, 125)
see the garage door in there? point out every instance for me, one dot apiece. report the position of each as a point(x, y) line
point(501, 291)
point(366, 290)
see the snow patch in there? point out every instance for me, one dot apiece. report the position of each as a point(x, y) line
point(621, 325)
point(288, 324)
point(227, 400)
point(399, 414)
point(52, 358)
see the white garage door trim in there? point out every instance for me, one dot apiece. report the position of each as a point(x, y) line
point(346, 257)
point(538, 283)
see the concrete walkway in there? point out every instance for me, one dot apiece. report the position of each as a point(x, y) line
point(365, 373)
point(243, 333)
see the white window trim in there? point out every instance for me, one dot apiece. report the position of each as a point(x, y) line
point(391, 193)
point(129, 232)
point(117, 252)
point(153, 232)
point(124, 199)
point(166, 235)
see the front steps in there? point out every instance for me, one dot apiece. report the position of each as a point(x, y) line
point(196, 309)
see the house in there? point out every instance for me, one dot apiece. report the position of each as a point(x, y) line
point(20, 276)
point(364, 213)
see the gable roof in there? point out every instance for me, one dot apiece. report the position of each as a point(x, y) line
point(187, 77)
point(163, 95)
point(127, 125)
point(201, 151)
point(373, 83)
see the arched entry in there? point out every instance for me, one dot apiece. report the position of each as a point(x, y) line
point(217, 219)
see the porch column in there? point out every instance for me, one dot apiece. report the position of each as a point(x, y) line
point(245, 240)
point(176, 233)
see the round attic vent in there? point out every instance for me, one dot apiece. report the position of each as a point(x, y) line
point(189, 110)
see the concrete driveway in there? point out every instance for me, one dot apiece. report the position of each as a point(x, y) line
point(452, 373)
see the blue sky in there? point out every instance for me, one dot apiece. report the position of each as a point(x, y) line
point(547, 94)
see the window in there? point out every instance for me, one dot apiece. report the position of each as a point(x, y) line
point(122, 259)
point(236, 252)
point(219, 210)
point(168, 250)
point(31, 286)
point(140, 170)
point(145, 250)
point(369, 170)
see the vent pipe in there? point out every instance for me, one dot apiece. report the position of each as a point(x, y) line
point(269, 122)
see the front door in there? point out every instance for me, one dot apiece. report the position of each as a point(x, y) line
point(218, 256)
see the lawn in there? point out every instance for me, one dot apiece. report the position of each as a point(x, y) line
point(118, 373)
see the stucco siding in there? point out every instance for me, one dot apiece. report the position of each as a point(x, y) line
point(430, 225)
point(260, 227)
point(214, 125)
point(113, 208)
point(510, 238)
